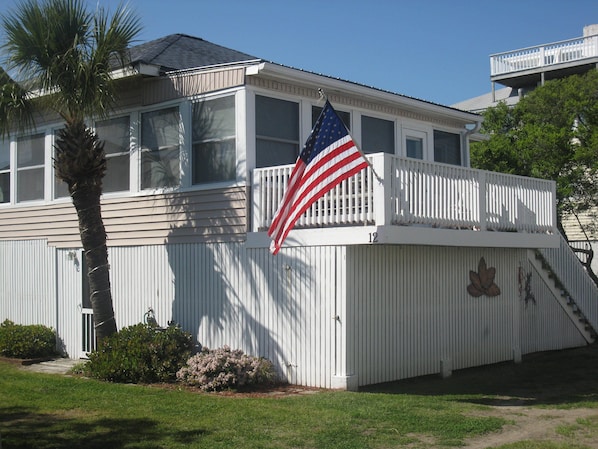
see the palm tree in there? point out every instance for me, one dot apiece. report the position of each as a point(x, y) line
point(66, 56)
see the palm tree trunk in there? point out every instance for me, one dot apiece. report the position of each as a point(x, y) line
point(80, 161)
point(86, 199)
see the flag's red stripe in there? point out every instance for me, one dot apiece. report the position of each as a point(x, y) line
point(292, 187)
point(306, 172)
point(320, 188)
point(296, 214)
point(304, 202)
point(309, 182)
point(327, 155)
point(291, 213)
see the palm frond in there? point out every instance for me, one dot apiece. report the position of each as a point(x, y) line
point(63, 49)
point(16, 112)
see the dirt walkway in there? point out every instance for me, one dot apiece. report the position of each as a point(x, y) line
point(539, 425)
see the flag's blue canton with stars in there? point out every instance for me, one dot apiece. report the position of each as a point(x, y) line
point(328, 158)
point(326, 131)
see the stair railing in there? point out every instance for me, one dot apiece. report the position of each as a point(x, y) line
point(574, 279)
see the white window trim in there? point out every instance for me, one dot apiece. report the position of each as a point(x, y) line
point(239, 98)
point(419, 132)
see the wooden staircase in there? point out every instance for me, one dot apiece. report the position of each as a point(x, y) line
point(574, 289)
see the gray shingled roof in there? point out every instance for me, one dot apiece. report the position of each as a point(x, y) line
point(180, 51)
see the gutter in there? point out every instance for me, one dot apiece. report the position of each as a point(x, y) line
point(331, 84)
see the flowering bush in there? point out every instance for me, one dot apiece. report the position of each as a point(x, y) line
point(223, 368)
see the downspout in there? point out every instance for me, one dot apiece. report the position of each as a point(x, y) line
point(465, 140)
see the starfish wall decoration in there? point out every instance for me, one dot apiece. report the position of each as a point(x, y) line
point(482, 282)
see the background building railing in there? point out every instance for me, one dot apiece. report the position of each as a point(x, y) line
point(544, 55)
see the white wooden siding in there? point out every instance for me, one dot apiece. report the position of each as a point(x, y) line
point(157, 90)
point(406, 312)
point(277, 307)
point(27, 282)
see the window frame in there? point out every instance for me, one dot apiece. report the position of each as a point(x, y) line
point(393, 134)
point(180, 146)
point(273, 139)
point(20, 169)
point(458, 139)
point(128, 152)
point(5, 145)
point(234, 137)
point(419, 134)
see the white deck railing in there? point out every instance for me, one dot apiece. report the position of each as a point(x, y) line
point(405, 191)
point(544, 55)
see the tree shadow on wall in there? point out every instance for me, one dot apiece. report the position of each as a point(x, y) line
point(224, 293)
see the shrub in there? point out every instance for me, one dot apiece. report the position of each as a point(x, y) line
point(26, 341)
point(220, 369)
point(141, 354)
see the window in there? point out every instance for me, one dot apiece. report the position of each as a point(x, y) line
point(377, 135)
point(344, 116)
point(160, 138)
point(4, 172)
point(214, 145)
point(447, 148)
point(116, 135)
point(277, 131)
point(61, 189)
point(30, 168)
point(415, 147)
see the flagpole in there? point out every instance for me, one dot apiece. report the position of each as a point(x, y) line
point(380, 180)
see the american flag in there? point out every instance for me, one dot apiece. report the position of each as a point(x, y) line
point(328, 158)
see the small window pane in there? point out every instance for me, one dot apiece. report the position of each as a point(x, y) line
point(117, 174)
point(30, 151)
point(160, 169)
point(30, 184)
point(4, 187)
point(276, 118)
point(160, 136)
point(447, 148)
point(214, 143)
point(214, 161)
point(377, 135)
point(4, 156)
point(115, 133)
point(30, 168)
point(277, 131)
point(415, 147)
point(214, 119)
point(61, 190)
point(275, 153)
point(344, 116)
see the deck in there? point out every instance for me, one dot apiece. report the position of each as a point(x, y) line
point(545, 57)
point(402, 200)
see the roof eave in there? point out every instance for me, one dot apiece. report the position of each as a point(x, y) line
point(329, 85)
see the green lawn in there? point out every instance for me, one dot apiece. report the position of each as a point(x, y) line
point(51, 411)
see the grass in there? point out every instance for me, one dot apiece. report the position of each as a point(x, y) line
point(51, 411)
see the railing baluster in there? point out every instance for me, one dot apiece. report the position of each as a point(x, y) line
point(417, 192)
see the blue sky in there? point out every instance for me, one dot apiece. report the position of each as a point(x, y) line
point(436, 50)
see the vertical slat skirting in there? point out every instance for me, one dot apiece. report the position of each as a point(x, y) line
point(413, 312)
point(277, 307)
